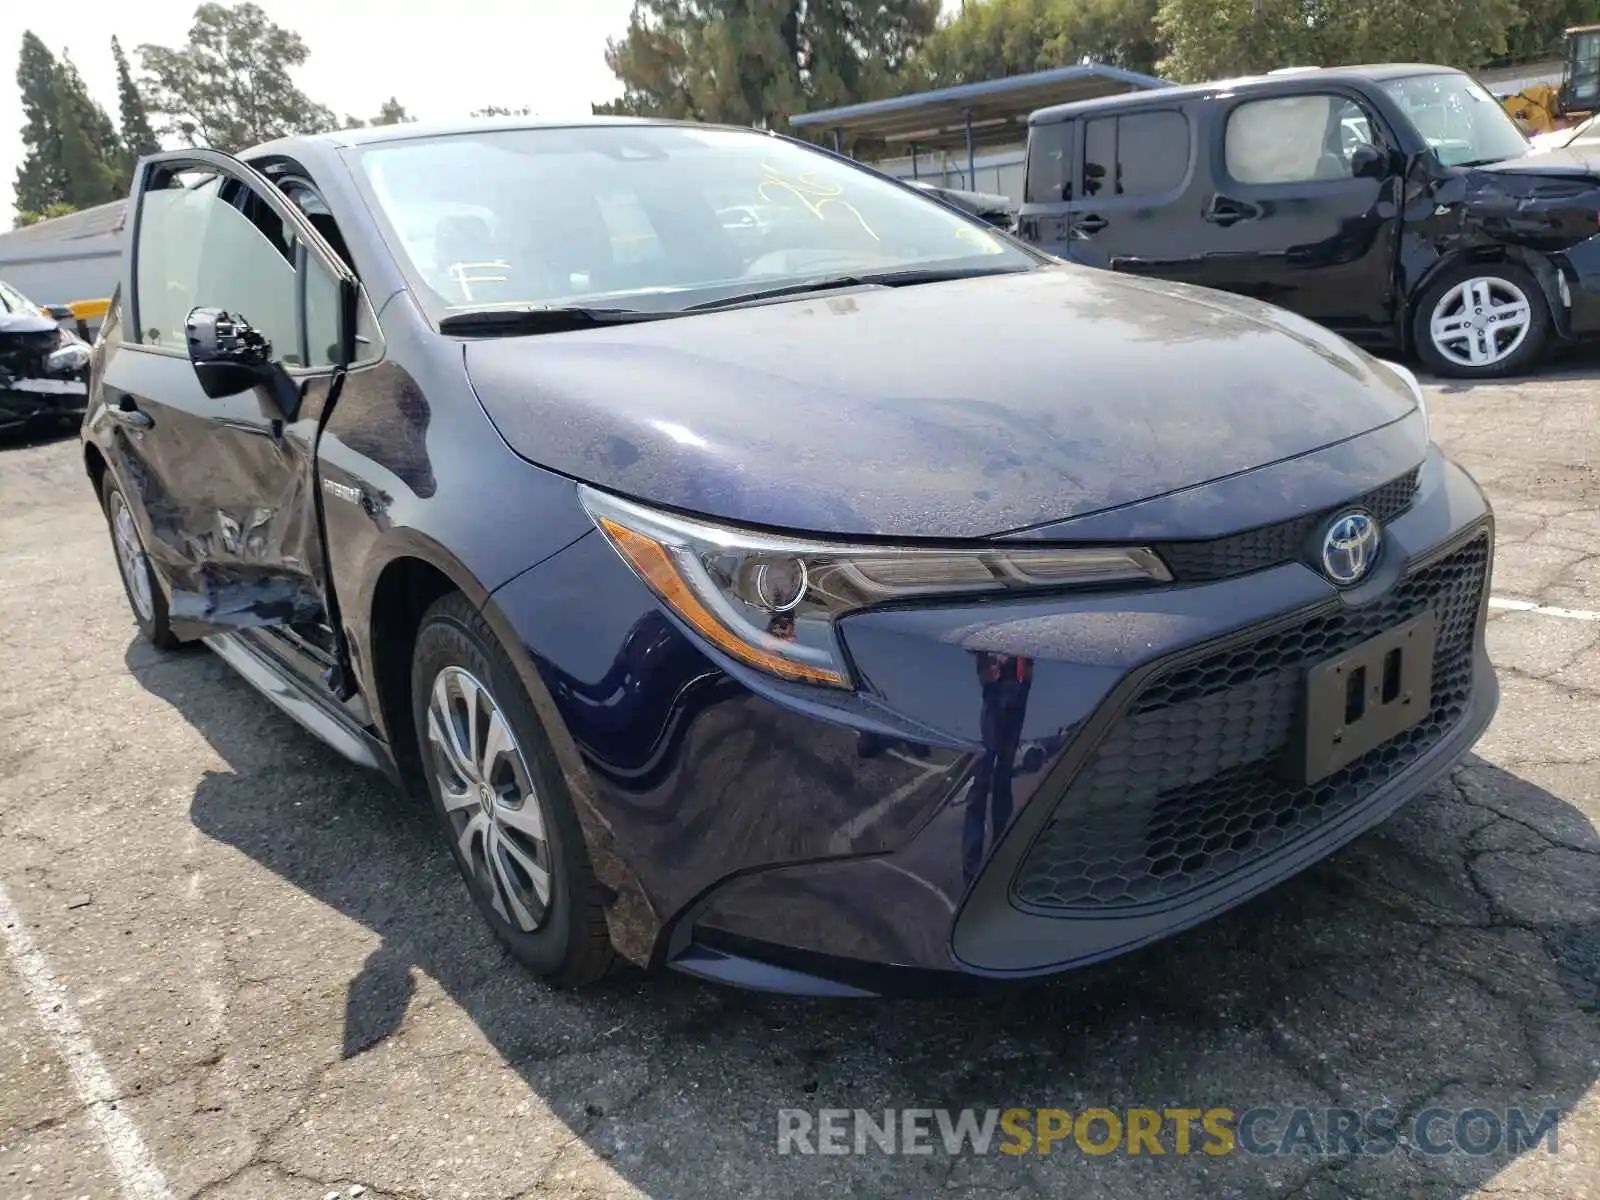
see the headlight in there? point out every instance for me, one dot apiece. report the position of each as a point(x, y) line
point(772, 601)
point(72, 356)
point(1406, 374)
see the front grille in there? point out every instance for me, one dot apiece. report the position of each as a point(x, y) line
point(1186, 786)
point(1270, 545)
point(22, 352)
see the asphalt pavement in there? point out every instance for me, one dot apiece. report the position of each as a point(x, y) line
point(233, 966)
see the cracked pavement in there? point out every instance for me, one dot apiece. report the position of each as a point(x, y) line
point(294, 998)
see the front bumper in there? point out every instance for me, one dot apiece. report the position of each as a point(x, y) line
point(26, 402)
point(779, 838)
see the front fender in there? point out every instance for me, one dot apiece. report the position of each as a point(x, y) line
point(1556, 295)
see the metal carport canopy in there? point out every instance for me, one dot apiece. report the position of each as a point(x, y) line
point(991, 112)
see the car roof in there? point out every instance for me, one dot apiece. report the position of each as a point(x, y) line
point(1162, 97)
point(339, 139)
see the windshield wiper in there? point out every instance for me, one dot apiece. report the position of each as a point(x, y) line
point(536, 318)
point(828, 283)
point(821, 284)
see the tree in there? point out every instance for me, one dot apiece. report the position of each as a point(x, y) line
point(91, 155)
point(756, 62)
point(494, 110)
point(91, 152)
point(39, 179)
point(1219, 38)
point(391, 112)
point(1540, 24)
point(71, 152)
point(26, 217)
point(994, 38)
point(137, 136)
point(230, 86)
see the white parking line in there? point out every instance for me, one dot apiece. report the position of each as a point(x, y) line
point(136, 1170)
point(1543, 610)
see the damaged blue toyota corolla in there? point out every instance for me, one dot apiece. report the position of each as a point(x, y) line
point(770, 572)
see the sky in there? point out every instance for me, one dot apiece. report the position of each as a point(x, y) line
point(441, 60)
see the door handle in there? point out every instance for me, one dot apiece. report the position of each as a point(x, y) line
point(1223, 211)
point(130, 416)
point(1091, 223)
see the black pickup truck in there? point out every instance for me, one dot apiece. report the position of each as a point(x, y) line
point(1397, 204)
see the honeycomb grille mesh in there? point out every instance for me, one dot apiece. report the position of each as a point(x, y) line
point(1186, 787)
point(1270, 545)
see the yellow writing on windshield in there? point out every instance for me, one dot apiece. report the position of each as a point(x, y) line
point(817, 195)
point(979, 239)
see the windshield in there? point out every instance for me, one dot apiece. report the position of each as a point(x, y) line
point(13, 301)
point(1462, 123)
point(656, 218)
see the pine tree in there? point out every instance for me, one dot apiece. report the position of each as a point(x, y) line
point(39, 179)
point(91, 151)
point(138, 137)
point(91, 177)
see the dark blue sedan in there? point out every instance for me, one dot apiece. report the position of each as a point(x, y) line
point(770, 572)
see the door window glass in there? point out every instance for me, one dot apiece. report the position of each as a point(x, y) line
point(1294, 139)
point(199, 248)
point(1100, 157)
point(1152, 152)
point(322, 314)
point(1049, 163)
point(1136, 154)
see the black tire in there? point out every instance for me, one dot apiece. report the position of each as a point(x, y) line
point(1507, 279)
point(151, 618)
point(570, 946)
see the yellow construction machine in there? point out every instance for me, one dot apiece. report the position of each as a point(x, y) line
point(1542, 106)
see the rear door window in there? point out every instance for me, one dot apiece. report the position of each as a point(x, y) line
point(1135, 154)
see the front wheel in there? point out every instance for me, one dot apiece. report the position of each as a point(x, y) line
point(1482, 321)
point(145, 597)
point(502, 801)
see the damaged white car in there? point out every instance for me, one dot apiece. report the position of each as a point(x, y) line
point(43, 368)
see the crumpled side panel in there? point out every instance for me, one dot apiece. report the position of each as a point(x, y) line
point(1522, 214)
point(244, 550)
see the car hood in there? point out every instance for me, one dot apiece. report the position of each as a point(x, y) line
point(949, 410)
point(11, 322)
point(1566, 161)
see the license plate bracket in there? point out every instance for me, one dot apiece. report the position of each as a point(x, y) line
point(1367, 695)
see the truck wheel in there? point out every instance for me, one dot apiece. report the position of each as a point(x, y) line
point(1482, 321)
point(502, 801)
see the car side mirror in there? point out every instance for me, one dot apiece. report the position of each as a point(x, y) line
point(1368, 162)
point(230, 356)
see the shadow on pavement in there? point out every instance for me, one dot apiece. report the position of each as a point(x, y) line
point(1450, 959)
point(37, 433)
point(1575, 362)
